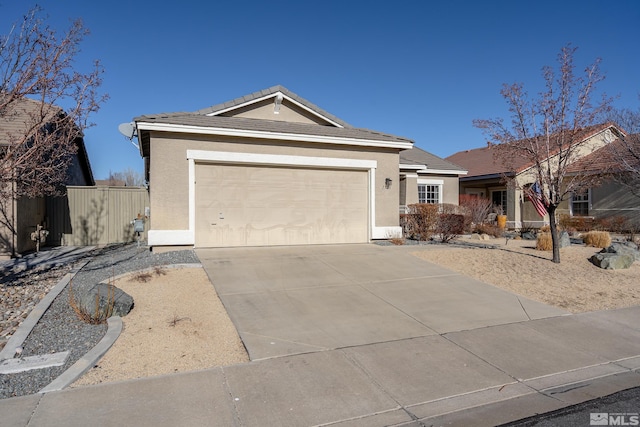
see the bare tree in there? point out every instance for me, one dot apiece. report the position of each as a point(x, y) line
point(624, 154)
point(45, 102)
point(129, 177)
point(544, 133)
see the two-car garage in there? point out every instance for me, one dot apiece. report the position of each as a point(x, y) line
point(269, 168)
point(258, 205)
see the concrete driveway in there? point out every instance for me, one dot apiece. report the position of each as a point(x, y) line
point(290, 300)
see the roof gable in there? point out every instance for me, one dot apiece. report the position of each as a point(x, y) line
point(609, 158)
point(18, 119)
point(482, 162)
point(275, 103)
point(421, 160)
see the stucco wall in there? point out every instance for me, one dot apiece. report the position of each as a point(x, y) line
point(287, 112)
point(169, 172)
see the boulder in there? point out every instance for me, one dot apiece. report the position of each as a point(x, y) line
point(565, 240)
point(528, 235)
point(629, 248)
point(612, 261)
point(122, 301)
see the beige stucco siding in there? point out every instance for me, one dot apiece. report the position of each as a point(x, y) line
point(169, 172)
point(287, 112)
point(450, 190)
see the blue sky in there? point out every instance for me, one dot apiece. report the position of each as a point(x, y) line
point(419, 69)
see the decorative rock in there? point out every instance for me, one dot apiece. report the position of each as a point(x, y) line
point(122, 301)
point(629, 248)
point(528, 235)
point(565, 241)
point(612, 261)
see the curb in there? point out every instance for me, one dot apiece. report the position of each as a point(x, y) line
point(33, 318)
point(114, 328)
point(87, 361)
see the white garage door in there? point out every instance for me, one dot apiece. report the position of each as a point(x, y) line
point(240, 205)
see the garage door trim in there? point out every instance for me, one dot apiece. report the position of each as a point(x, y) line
point(187, 237)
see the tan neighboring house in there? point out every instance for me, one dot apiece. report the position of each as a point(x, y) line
point(609, 199)
point(270, 168)
point(486, 174)
point(427, 178)
point(19, 217)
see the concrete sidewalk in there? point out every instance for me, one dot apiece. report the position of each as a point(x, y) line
point(485, 376)
point(477, 367)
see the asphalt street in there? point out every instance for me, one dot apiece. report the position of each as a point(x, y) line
point(620, 408)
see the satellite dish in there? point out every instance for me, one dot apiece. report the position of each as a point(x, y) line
point(128, 130)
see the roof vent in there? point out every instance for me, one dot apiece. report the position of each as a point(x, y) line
point(276, 103)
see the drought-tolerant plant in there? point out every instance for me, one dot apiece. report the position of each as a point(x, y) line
point(174, 321)
point(598, 239)
point(544, 242)
point(449, 226)
point(398, 241)
point(100, 313)
point(476, 207)
point(489, 229)
point(421, 220)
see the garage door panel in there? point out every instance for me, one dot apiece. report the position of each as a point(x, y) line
point(255, 206)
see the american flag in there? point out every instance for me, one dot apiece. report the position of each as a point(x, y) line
point(534, 193)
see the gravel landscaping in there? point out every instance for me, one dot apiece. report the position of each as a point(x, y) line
point(59, 329)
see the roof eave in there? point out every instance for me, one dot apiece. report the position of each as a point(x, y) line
point(244, 133)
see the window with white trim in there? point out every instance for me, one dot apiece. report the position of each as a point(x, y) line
point(580, 203)
point(499, 198)
point(430, 191)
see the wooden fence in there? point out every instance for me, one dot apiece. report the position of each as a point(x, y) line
point(95, 215)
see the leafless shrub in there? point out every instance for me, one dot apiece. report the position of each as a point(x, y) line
point(98, 315)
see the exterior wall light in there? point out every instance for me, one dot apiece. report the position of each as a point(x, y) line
point(387, 183)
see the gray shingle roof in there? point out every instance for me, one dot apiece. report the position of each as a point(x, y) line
point(417, 156)
point(270, 91)
point(22, 114)
point(199, 120)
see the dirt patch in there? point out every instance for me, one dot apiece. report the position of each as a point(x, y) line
point(575, 284)
point(177, 324)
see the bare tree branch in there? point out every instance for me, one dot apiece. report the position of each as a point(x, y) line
point(546, 132)
point(45, 103)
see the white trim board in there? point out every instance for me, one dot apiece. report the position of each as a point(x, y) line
point(259, 134)
point(273, 95)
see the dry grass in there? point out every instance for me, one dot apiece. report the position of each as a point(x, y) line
point(544, 242)
point(398, 241)
point(575, 284)
point(597, 239)
point(98, 315)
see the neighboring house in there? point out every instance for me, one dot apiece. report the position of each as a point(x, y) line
point(269, 168)
point(19, 217)
point(426, 178)
point(486, 174)
point(609, 199)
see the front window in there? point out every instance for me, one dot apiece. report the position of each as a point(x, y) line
point(580, 203)
point(499, 198)
point(429, 193)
